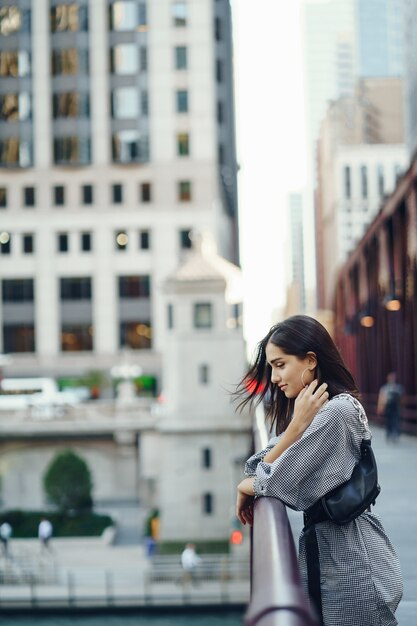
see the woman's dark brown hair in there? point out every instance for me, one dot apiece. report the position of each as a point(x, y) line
point(296, 336)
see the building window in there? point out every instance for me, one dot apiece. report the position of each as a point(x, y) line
point(185, 239)
point(69, 62)
point(28, 244)
point(5, 243)
point(219, 70)
point(70, 104)
point(380, 180)
point(72, 150)
point(3, 197)
point(124, 16)
point(62, 242)
point(220, 112)
point(208, 503)
point(14, 20)
point(136, 335)
point(87, 194)
point(69, 18)
point(203, 374)
point(144, 240)
point(203, 315)
point(181, 57)
point(86, 242)
point(143, 59)
point(15, 152)
point(59, 195)
point(125, 103)
point(184, 191)
point(76, 288)
point(17, 290)
point(15, 107)
point(220, 154)
point(179, 13)
point(364, 181)
point(18, 338)
point(218, 29)
point(145, 192)
point(117, 193)
point(76, 337)
point(206, 458)
point(170, 316)
point(347, 181)
point(124, 59)
point(122, 240)
point(135, 286)
point(129, 146)
point(29, 196)
point(183, 144)
point(14, 63)
point(182, 101)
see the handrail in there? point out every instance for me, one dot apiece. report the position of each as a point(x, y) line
point(277, 596)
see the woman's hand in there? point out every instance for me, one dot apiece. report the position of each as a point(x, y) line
point(244, 508)
point(307, 404)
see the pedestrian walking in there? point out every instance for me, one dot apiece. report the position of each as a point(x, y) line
point(389, 405)
point(320, 425)
point(189, 562)
point(45, 531)
point(5, 534)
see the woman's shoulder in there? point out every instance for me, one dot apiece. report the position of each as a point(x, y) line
point(346, 404)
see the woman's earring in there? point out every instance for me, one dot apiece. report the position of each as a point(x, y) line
point(302, 376)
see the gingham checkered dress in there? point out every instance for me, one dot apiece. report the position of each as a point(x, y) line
point(361, 582)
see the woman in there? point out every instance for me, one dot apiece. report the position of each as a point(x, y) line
point(313, 402)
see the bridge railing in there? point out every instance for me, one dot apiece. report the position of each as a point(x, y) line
point(277, 596)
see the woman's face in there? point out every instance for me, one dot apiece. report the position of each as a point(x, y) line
point(287, 370)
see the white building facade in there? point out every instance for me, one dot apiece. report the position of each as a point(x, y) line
point(116, 141)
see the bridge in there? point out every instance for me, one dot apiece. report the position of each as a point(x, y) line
point(397, 508)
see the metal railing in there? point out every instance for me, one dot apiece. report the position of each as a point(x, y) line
point(277, 595)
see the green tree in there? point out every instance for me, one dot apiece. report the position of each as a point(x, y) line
point(67, 483)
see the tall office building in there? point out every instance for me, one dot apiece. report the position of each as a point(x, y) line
point(380, 28)
point(410, 9)
point(296, 291)
point(116, 142)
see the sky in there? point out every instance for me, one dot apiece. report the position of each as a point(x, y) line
point(270, 124)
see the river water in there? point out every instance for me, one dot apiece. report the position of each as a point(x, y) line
point(194, 619)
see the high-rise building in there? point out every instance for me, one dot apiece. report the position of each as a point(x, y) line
point(380, 38)
point(410, 10)
point(296, 292)
point(116, 142)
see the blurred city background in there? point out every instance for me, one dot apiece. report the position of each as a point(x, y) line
point(175, 177)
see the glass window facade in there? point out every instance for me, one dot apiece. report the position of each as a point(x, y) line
point(179, 13)
point(129, 146)
point(136, 335)
point(17, 290)
point(75, 288)
point(203, 315)
point(181, 58)
point(69, 18)
point(72, 150)
point(15, 107)
point(15, 63)
point(135, 286)
point(15, 152)
point(125, 103)
point(124, 15)
point(71, 104)
point(18, 338)
point(76, 337)
point(69, 62)
point(125, 59)
point(184, 191)
point(182, 101)
point(14, 20)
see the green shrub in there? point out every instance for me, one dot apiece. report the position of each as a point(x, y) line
point(67, 483)
point(25, 523)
